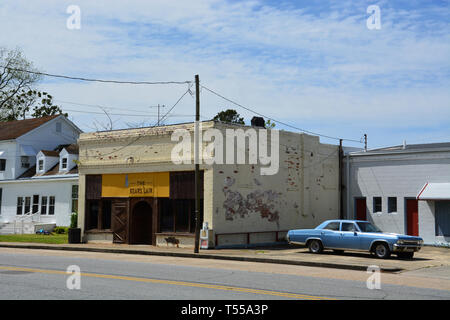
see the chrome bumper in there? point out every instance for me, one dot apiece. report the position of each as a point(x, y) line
point(406, 247)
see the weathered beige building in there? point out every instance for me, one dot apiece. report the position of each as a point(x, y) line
point(132, 191)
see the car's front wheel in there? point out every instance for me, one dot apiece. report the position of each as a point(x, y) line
point(315, 246)
point(381, 250)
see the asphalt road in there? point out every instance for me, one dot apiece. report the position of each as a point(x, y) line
point(41, 274)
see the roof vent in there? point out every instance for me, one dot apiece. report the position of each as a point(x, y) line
point(258, 122)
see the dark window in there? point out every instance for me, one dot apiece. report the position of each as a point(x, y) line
point(25, 160)
point(27, 205)
point(51, 205)
point(93, 207)
point(442, 218)
point(44, 205)
point(1, 191)
point(75, 198)
point(35, 203)
point(332, 226)
point(182, 214)
point(178, 215)
point(19, 205)
point(377, 204)
point(166, 215)
point(392, 204)
point(106, 214)
point(348, 226)
point(2, 164)
point(41, 165)
point(64, 163)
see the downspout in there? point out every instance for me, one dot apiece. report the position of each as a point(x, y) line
point(348, 185)
point(341, 202)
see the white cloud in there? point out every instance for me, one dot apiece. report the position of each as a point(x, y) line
point(297, 65)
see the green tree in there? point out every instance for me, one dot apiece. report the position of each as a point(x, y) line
point(28, 103)
point(18, 98)
point(270, 124)
point(229, 116)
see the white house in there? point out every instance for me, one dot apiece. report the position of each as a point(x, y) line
point(38, 173)
point(402, 189)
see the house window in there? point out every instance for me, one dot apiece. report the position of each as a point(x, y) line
point(25, 160)
point(51, 205)
point(44, 201)
point(178, 215)
point(442, 218)
point(2, 164)
point(27, 205)
point(41, 165)
point(75, 198)
point(64, 163)
point(392, 204)
point(377, 204)
point(35, 203)
point(19, 205)
point(93, 207)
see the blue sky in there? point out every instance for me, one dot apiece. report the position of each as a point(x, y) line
point(312, 64)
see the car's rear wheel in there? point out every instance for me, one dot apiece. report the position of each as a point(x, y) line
point(315, 246)
point(381, 250)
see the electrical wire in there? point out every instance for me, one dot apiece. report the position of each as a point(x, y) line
point(96, 80)
point(277, 121)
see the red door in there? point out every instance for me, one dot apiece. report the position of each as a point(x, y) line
point(361, 209)
point(412, 217)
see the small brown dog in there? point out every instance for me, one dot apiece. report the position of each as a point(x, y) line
point(172, 240)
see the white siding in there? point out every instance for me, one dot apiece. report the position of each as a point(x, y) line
point(61, 190)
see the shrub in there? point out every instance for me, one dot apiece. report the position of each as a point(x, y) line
point(60, 230)
point(73, 220)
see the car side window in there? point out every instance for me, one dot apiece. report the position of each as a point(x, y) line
point(332, 226)
point(348, 226)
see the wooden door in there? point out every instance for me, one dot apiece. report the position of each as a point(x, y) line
point(361, 209)
point(119, 221)
point(412, 217)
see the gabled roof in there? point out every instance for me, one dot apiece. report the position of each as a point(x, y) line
point(50, 153)
point(13, 129)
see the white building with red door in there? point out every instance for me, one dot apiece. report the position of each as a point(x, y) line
point(402, 189)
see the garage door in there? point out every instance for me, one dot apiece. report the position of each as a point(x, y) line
point(442, 215)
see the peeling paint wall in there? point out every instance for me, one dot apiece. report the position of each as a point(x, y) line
point(301, 195)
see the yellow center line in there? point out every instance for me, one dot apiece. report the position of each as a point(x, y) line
point(176, 283)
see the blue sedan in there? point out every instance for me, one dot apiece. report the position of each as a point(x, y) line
point(355, 235)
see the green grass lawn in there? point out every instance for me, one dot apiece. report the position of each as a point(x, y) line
point(36, 238)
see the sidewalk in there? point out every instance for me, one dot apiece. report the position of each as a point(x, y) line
point(282, 254)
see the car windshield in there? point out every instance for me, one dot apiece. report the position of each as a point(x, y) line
point(368, 227)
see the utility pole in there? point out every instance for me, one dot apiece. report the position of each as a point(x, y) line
point(341, 202)
point(159, 106)
point(365, 142)
point(197, 165)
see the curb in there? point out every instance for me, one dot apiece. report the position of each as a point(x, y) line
point(200, 256)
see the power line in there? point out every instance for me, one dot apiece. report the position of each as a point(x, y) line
point(274, 120)
point(127, 114)
point(96, 80)
point(100, 106)
point(143, 134)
